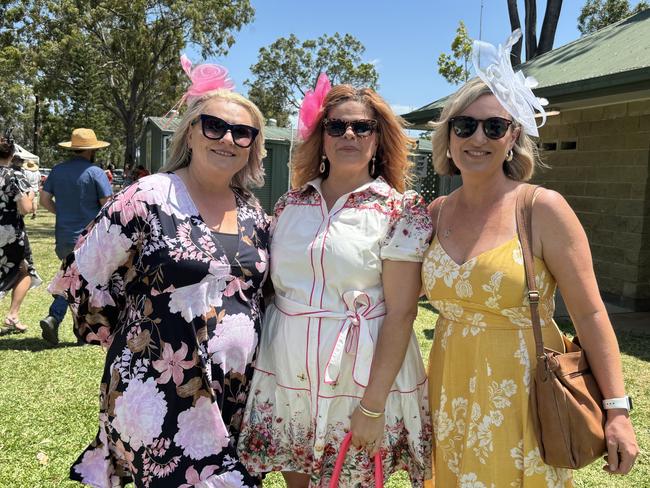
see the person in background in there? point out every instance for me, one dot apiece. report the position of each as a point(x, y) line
point(141, 172)
point(74, 191)
point(16, 274)
point(31, 171)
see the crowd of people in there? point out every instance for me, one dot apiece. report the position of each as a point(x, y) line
point(238, 344)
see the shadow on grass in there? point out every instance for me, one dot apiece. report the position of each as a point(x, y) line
point(631, 342)
point(33, 344)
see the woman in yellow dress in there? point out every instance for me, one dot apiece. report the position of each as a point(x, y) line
point(483, 358)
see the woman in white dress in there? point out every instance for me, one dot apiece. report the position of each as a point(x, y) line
point(337, 351)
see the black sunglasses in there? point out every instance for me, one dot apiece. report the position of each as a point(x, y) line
point(493, 127)
point(361, 128)
point(215, 128)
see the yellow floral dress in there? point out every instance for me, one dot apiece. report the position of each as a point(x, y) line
point(481, 366)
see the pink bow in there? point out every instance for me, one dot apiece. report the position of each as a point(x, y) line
point(312, 105)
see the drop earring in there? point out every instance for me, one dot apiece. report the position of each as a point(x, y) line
point(372, 167)
point(448, 154)
point(321, 168)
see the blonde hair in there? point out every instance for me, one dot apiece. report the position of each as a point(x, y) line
point(525, 156)
point(393, 145)
point(251, 175)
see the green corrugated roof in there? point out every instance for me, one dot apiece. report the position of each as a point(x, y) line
point(166, 124)
point(613, 59)
point(272, 133)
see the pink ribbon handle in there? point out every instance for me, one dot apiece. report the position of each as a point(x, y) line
point(340, 459)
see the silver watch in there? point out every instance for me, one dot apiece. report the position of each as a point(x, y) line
point(623, 402)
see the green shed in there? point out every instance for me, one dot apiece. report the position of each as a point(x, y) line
point(156, 138)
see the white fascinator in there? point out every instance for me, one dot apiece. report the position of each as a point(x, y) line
point(513, 90)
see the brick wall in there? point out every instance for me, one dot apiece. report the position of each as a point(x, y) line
point(606, 180)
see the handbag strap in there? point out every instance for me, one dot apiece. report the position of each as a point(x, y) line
point(340, 459)
point(524, 217)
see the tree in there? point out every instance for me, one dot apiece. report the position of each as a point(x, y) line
point(119, 59)
point(547, 34)
point(453, 67)
point(288, 68)
point(596, 14)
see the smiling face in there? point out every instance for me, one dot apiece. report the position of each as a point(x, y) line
point(478, 153)
point(350, 153)
point(219, 157)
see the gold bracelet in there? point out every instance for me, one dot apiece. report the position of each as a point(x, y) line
point(369, 413)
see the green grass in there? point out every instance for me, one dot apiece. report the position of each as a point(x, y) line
point(48, 396)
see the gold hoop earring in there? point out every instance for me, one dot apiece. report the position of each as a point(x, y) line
point(321, 168)
point(510, 155)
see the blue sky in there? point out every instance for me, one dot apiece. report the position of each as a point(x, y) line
point(403, 39)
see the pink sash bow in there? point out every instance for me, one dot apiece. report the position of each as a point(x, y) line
point(353, 337)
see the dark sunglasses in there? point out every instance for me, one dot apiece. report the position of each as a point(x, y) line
point(493, 127)
point(361, 128)
point(215, 128)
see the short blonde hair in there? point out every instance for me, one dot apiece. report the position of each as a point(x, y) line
point(251, 175)
point(525, 155)
point(393, 145)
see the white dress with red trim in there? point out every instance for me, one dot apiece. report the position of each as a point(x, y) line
point(319, 337)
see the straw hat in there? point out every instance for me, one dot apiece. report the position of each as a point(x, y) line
point(84, 139)
point(30, 165)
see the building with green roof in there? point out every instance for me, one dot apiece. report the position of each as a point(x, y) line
point(598, 147)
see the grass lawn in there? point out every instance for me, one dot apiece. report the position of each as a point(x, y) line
point(49, 396)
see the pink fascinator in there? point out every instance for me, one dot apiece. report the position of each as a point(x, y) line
point(205, 77)
point(311, 106)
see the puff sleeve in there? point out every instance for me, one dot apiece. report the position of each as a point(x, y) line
point(409, 232)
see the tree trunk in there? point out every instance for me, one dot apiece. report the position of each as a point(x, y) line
point(36, 125)
point(549, 26)
point(515, 23)
point(129, 142)
point(531, 28)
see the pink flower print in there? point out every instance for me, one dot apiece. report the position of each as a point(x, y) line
point(172, 364)
point(66, 282)
point(237, 285)
point(139, 413)
point(201, 431)
point(100, 297)
point(106, 248)
point(194, 479)
point(94, 468)
point(233, 343)
point(261, 266)
point(197, 299)
point(103, 336)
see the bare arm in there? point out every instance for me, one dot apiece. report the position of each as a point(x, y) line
point(24, 203)
point(565, 250)
point(47, 201)
point(401, 282)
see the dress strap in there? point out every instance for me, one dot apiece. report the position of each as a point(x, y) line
point(443, 199)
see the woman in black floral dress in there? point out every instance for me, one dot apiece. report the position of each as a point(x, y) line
point(16, 274)
point(169, 278)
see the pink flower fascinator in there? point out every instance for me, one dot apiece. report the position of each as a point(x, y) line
point(312, 105)
point(205, 77)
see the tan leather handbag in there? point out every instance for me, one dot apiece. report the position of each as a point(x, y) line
point(566, 401)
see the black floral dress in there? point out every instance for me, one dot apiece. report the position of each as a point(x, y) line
point(152, 283)
point(14, 247)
